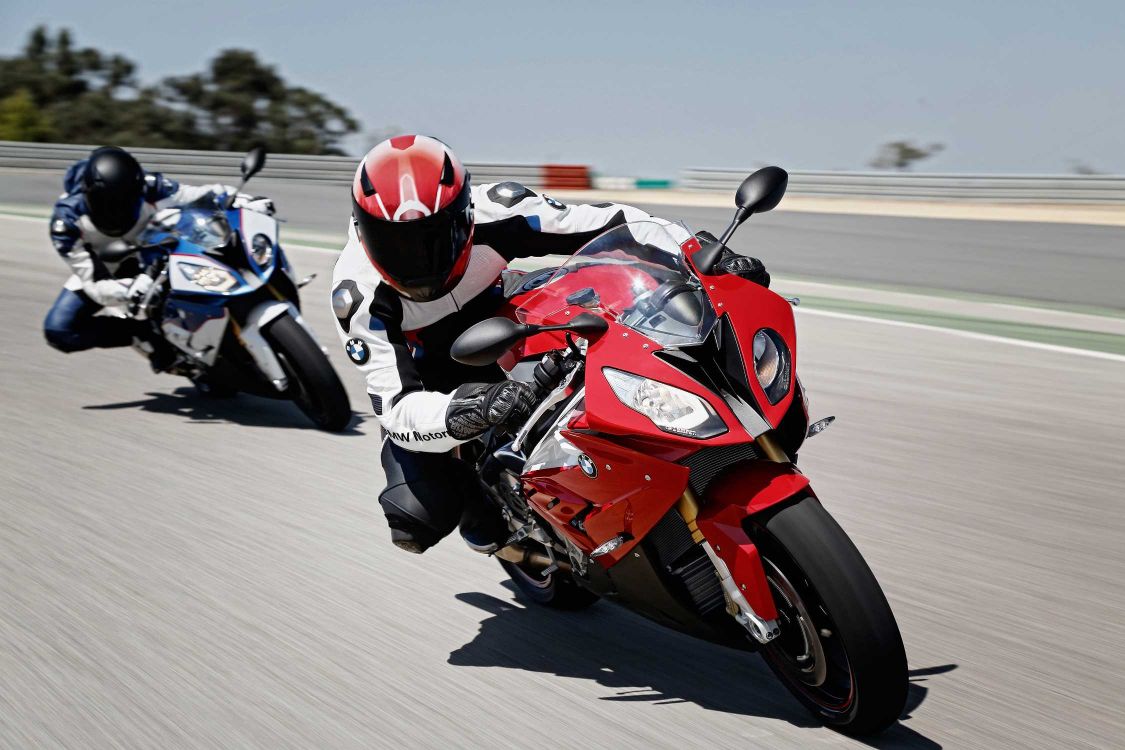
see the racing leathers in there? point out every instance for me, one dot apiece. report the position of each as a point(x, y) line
point(105, 271)
point(402, 348)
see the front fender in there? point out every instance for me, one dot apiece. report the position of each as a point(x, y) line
point(742, 492)
point(250, 334)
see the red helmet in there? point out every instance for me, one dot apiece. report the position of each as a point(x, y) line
point(414, 214)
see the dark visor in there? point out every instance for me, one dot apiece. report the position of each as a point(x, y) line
point(112, 213)
point(420, 253)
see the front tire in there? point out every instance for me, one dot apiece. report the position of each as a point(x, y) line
point(313, 384)
point(840, 651)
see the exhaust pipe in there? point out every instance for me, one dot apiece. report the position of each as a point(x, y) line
point(524, 557)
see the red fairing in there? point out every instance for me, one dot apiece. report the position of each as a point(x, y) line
point(751, 307)
point(630, 492)
point(742, 492)
point(640, 471)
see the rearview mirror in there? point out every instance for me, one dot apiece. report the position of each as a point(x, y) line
point(487, 341)
point(490, 339)
point(253, 162)
point(761, 191)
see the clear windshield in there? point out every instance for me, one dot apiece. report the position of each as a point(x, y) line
point(201, 223)
point(638, 273)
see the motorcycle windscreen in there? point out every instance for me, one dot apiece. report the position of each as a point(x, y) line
point(637, 273)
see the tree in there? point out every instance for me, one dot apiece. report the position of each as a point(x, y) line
point(55, 91)
point(239, 102)
point(1077, 166)
point(21, 120)
point(901, 155)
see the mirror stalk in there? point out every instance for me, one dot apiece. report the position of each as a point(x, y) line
point(740, 216)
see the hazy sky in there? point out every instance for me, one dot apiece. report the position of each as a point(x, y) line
point(647, 88)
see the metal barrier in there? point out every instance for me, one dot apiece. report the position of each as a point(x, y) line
point(945, 187)
point(339, 169)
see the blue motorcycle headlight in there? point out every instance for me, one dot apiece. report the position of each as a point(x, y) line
point(261, 249)
point(209, 277)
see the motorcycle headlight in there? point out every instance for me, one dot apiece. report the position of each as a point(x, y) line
point(671, 409)
point(771, 364)
point(261, 249)
point(209, 277)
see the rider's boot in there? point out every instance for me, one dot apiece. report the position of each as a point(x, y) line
point(482, 526)
point(161, 355)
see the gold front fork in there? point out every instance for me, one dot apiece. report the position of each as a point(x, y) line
point(769, 448)
point(688, 507)
point(688, 504)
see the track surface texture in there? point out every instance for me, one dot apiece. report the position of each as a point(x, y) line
point(177, 572)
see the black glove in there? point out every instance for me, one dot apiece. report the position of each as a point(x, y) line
point(477, 406)
point(745, 267)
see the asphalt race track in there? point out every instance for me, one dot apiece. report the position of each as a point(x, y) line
point(177, 572)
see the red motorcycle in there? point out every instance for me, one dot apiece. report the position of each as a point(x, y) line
point(659, 469)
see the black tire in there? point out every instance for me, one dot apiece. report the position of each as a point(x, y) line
point(313, 384)
point(840, 652)
point(557, 590)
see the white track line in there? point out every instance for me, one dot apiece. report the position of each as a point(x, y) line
point(967, 334)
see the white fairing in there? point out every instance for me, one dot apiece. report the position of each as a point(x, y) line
point(256, 344)
point(252, 223)
point(201, 340)
point(554, 451)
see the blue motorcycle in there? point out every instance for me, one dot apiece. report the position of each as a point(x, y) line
point(225, 297)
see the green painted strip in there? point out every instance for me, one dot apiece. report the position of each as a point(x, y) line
point(653, 184)
point(1102, 342)
point(27, 213)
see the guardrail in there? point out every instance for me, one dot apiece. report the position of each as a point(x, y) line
point(1106, 189)
point(338, 169)
point(945, 187)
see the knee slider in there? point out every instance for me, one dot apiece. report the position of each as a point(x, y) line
point(415, 527)
point(64, 341)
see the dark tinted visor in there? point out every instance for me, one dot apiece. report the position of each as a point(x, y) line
point(113, 212)
point(419, 253)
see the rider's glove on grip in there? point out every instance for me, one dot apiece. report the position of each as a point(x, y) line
point(746, 267)
point(475, 407)
point(137, 290)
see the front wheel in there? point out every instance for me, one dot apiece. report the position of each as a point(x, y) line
point(313, 384)
point(840, 651)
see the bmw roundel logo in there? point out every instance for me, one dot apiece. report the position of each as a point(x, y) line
point(589, 468)
point(357, 351)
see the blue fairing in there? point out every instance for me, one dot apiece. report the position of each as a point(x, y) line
point(214, 253)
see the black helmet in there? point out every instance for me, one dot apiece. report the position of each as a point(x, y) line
point(114, 184)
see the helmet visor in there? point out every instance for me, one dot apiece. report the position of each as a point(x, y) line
point(419, 255)
point(113, 212)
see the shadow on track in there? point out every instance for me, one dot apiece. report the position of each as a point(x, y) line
point(643, 662)
point(243, 409)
